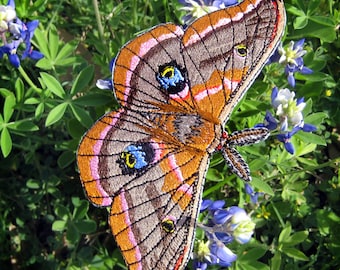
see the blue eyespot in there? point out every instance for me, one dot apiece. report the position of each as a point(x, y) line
point(171, 78)
point(136, 157)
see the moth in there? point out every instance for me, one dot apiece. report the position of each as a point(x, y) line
point(176, 88)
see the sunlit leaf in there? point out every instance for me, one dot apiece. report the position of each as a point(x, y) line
point(56, 114)
point(53, 84)
point(6, 142)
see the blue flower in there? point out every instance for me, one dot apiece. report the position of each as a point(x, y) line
point(269, 122)
point(285, 138)
point(106, 83)
point(11, 50)
point(221, 227)
point(212, 253)
point(290, 118)
point(287, 108)
point(18, 33)
point(253, 195)
point(7, 14)
point(221, 255)
point(199, 8)
point(291, 56)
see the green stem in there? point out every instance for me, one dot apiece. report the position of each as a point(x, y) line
point(100, 26)
point(331, 163)
point(29, 81)
point(277, 212)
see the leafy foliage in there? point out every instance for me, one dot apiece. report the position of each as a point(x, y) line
point(45, 220)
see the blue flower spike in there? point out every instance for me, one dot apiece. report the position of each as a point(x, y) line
point(222, 227)
point(291, 57)
point(14, 33)
point(288, 110)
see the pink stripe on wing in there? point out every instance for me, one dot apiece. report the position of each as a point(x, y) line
point(175, 168)
point(144, 49)
point(228, 84)
point(197, 37)
point(125, 209)
point(94, 163)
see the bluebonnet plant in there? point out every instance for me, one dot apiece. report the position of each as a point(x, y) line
point(290, 117)
point(253, 195)
point(221, 226)
point(14, 33)
point(106, 83)
point(198, 8)
point(291, 57)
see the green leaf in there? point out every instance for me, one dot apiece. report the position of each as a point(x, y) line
point(300, 22)
point(82, 80)
point(81, 115)
point(304, 149)
point(56, 114)
point(32, 101)
point(24, 125)
point(275, 262)
point(85, 226)
point(19, 90)
point(285, 233)
point(67, 61)
point(297, 238)
point(6, 142)
point(72, 233)
point(253, 254)
point(44, 63)
point(262, 186)
point(39, 111)
point(75, 129)
point(66, 159)
point(53, 42)
point(66, 50)
point(53, 84)
point(295, 254)
point(9, 107)
point(295, 11)
point(62, 211)
point(316, 118)
point(95, 99)
point(308, 137)
point(42, 42)
point(5, 92)
point(214, 175)
point(33, 184)
point(76, 201)
point(59, 225)
point(81, 210)
point(322, 20)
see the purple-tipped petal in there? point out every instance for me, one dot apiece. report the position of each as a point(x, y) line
point(291, 79)
point(217, 205)
point(299, 44)
point(270, 121)
point(225, 238)
point(300, 100)
point(225, 255)
point(221, 216)
point(306, 70)
point(289, 147)
point(14, 60)
point(11, 3)
point(249, 189)
point(309, 128)
point(104, 84)
point(200, 265)
point(205, 205)
point(275, 91)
